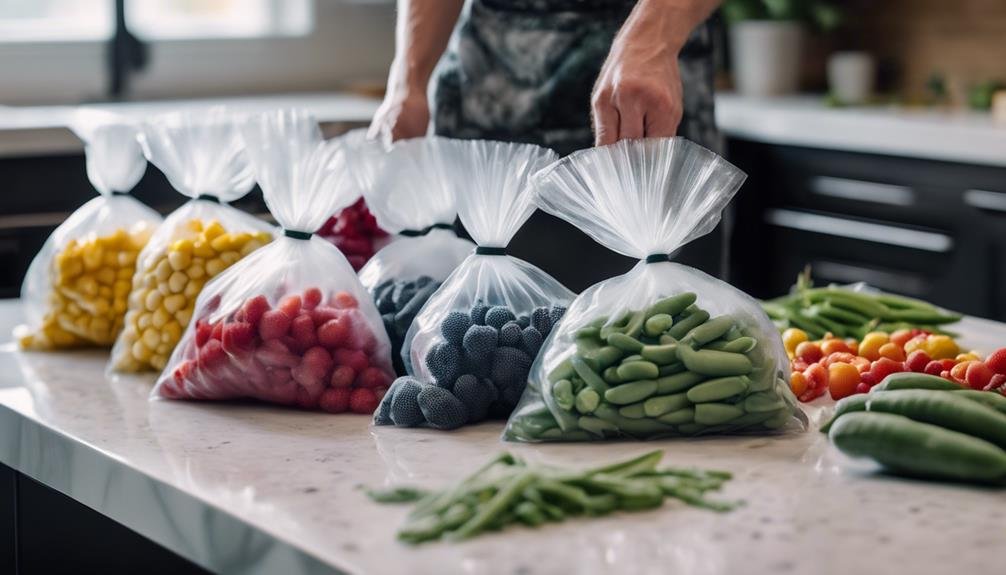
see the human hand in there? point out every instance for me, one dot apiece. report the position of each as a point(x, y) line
point(403, 114)
point(638, 92)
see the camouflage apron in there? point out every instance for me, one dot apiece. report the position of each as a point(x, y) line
point(523, 70)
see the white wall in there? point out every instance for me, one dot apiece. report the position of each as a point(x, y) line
point(351, 42)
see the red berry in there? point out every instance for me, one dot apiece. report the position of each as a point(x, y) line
point(862, 387)
point(183, 371)
point(278, 375)
point(211, 355)
point(238, 337)
point(305, 399)
point(312, 297)
point(342, 376)
point(318, 361)
point(817, 376)
point(290, 305)
point(334, 333)
point(997, 383)
point(363, 401)
point(354, 358)
point(808, 352)
point(884, 367)
point(997, 361)
point(274, 353)
point(302, 330)
point(917, 361)
point(322, 314)
point(868, 379)
point(274, 324)
point(934, 367)
point(978, 375)
point(945, 374)
point(335, 399)
point(217, 332)
point(356, 261)
point(344, 300)
point(373, 377)
point(254, 308)
point(203, 330)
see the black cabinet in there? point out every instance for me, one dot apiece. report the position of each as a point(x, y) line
point(928, 229)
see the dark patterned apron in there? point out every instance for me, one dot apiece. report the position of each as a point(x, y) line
point(523, 70)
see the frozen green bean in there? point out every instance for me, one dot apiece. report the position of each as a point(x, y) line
point(657, 324)
point(631, 392)
point(710, 330)
point(587, 400)
point(678, 382)
point(660, 354)
point(717, 389)
point(625, 343)
point(638, 370)
point(673, 305)
point(661, 404)
point(716, 413)
point(682, 327)
point(714, 363)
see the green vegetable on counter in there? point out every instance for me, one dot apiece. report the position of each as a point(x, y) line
point(508, 490)
point(847, 313)
point(932, 433)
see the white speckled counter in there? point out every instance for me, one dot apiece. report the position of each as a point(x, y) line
point(242, 488)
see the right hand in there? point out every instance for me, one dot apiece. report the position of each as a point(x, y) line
point(403, 114)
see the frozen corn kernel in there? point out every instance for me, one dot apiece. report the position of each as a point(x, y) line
point(164, 294)
point(90, 281)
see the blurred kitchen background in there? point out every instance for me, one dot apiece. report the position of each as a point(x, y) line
point(874, 132)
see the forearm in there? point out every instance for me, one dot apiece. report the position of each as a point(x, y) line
point(421, 34)
point(672, 20)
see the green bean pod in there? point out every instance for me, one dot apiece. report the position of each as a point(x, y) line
point(657, 324)
point(683, 326)
point(638, 370)
point(719, 388)
point(663, 404)
point(683, 415)
point(716, 413)
point(918, 449)
point(678, 382)
point(912, 380)
point(673, 305)
point(588, 375)
point(625, 343)
point(660, 354)
point(710, 330)
point(714, 363)
point(631, 392)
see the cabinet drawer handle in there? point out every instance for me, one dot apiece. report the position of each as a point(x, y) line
point(985, 200)
point(857, 230)
point(859, 190)
point(891, 280)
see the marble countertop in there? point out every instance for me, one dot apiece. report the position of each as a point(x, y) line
point(242, 488)
point(954, 136)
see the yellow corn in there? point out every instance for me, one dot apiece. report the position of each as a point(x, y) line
point(164, 295)
point(90, 281)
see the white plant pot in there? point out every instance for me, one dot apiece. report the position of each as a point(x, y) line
point(766, 57)
point(850, 76)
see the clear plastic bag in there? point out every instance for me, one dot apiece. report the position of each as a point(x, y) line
point(202, 155)
point(411, 196)
point(76, 289)
point(664, 350)
point(289, 324)
point(354, 229)
point(470, 347)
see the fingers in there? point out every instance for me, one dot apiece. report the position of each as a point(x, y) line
point(662, 121)
point(630, 119)
point(606, 121)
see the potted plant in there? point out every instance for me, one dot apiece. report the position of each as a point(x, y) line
point(765, 41)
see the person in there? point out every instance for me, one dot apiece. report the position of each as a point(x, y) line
point(565, 74)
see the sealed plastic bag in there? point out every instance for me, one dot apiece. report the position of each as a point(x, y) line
point(411, 195)
point(203, 157)
point(470, 347)
point(663, 350)
point(354, 229)
point(289, 324)
point(76, 289)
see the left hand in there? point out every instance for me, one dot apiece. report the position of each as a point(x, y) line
point(638, 93)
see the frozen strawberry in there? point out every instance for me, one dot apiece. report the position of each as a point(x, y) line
point(342, 376)
point(312, 298)
point(334, 333)
point(324, 313)
point(306, 400)
point(917, 361)
point(203, 330)
point(318, 361)
point(868, 379)
point(344, 300)
point(217, 332)
point(997, 383)
point(184, 372)
point(285, 393)
point(353, 246)
point(253, 309)
point(978, 375)
point(862, 387)
point(363, 401)
point(354, 358)
point(278, 375)
point(211, 355)
point(302, 330)
point(274, 353)
point(274, 324)
point(290, 305)
point(996, 361)
point(373, 377)
point(238, 337)
point(307, 377)
point(884, 367)
point(335, 399)
point(356, 261)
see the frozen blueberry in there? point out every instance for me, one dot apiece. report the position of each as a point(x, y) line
point(402, 294)
point(555, 314)
point(383, 414)
point(510, 395)
point(480, 342)
point(478, 313)
point(444, 362)
point(404, 408)
point(384, 302)
point(540, 320)
point(531, 341)
point(510, 334)
point(454, 327)
point(510, 366)
point(477, 394)
point(408, 310)
point(422, 281)
point(441, 409)
point(498, 316)
point(524, 321)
